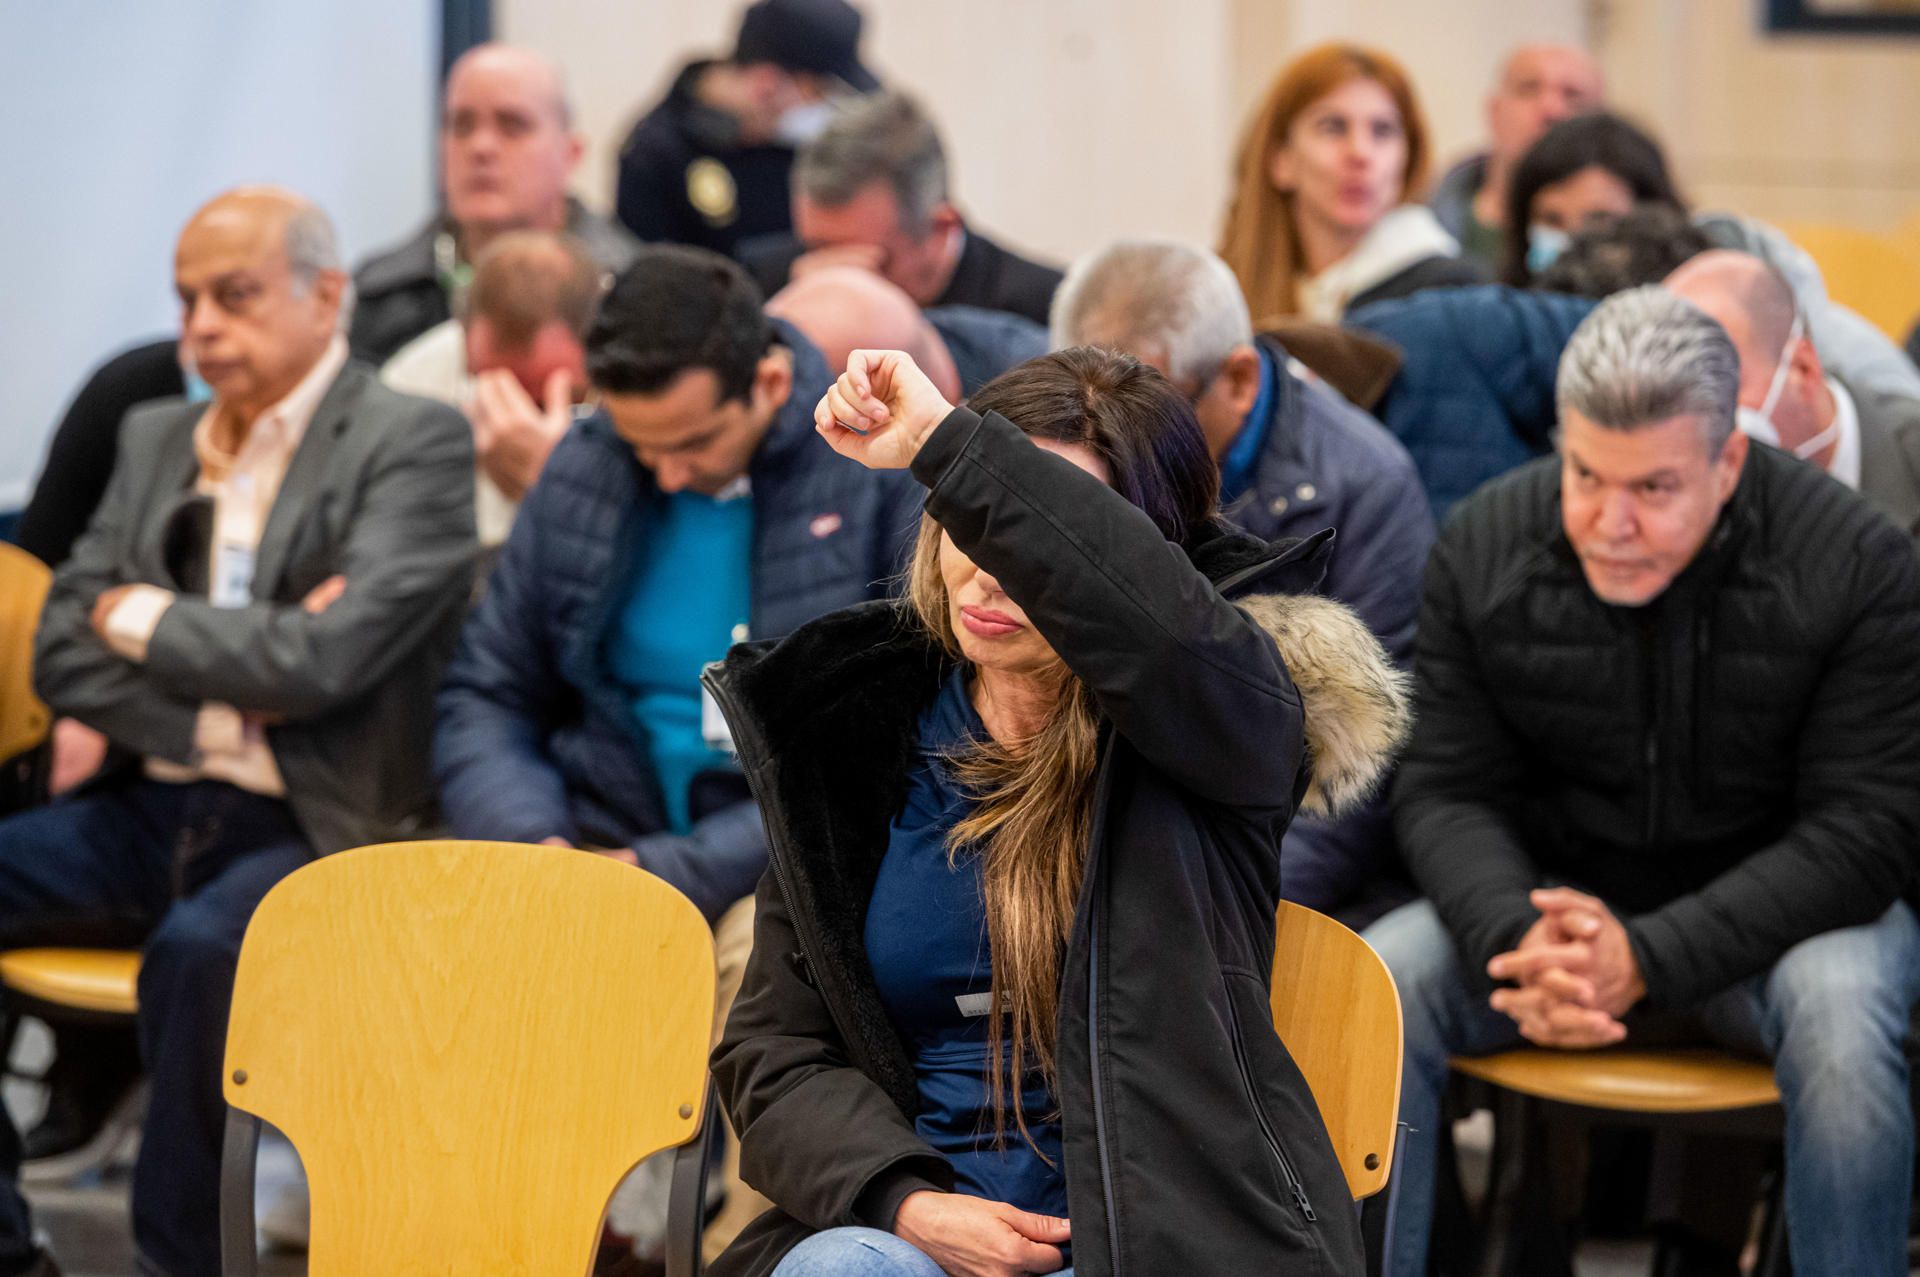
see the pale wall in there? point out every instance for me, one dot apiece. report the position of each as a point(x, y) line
point(1071, 122)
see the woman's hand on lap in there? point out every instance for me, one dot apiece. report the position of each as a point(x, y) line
point(972, 1237)
point(880, 410)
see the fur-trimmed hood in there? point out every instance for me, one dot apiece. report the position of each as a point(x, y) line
point(1356, 703)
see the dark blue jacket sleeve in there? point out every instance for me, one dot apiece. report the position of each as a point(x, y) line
point(489, 742)
point(716, 862)
point(1380, 555)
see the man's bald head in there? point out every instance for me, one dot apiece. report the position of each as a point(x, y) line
point(1780, 371)
point(262, 291)
point(541, 77)
point(842, 309)
point(1748, 297)
point(507, 146)
point(1539, 86)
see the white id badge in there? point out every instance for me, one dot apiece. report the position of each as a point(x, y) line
point(232, 584)
point(713, 724)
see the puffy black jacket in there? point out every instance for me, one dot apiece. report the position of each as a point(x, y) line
point(1191, 1142)
point(1734, 767)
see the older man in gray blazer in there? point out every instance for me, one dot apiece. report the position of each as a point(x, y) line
point(256, 621)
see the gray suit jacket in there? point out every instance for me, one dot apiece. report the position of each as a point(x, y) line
point(1890, 455)
point(381, 492)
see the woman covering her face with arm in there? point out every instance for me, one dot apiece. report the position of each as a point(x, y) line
point(1007, 1008)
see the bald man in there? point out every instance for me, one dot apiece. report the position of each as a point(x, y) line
point(508, 150)
point(256, 620)
point(1866, 439)
point(842, 309)
point(1539, 86)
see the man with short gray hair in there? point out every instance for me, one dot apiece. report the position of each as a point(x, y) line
point(1662, 770)
point(872, 191)
point(1294, 458)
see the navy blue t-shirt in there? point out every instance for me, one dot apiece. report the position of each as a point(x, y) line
point(927, 942)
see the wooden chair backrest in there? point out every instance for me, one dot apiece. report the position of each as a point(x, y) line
point(1336, 1008)
point(24, 581)
point(1876, 275)
point(470, 1044)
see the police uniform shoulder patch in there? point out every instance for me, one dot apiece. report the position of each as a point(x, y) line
point(711, 191)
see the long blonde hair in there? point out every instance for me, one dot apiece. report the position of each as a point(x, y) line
point(1032, 810)
point(1261, 238)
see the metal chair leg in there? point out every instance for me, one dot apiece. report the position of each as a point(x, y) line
point(1522, 1236)
point(239, 1251)
point(687, 1199)
point(1774, 1259)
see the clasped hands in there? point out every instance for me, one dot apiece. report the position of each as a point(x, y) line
point(1575, 972)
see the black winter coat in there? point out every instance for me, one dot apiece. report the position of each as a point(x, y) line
point(1732, 767)
point(1191, 1142)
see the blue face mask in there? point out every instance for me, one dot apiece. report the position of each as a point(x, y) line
point(1544, 246)
point(198, 391)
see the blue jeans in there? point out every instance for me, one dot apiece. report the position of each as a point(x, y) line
point(860, 1252)
point(177, 869)
point(1831, 1015)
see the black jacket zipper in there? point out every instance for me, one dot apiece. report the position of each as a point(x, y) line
point(1094, 834)
point(1287, 1169)
point(1650, 743)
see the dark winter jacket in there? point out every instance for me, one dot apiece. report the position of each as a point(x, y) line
point(1191, 1142)
point(987, 275)
point(1474, 397)
point(535, 738)
point(1731, 767)
point(1327, 464)
point(1438, 271)
point(685, 177)
point(80, 458)
point(985, 343)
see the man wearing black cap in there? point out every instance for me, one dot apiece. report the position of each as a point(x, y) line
point(709, 165)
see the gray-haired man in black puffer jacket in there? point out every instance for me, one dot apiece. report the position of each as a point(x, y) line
point(1668, 728)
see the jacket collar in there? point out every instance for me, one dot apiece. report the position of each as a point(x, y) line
point(790, 439)
point(306, 474)
point(412, 262)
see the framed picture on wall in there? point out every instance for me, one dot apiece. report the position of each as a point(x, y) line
point(1844, 17)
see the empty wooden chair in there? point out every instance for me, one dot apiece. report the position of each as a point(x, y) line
point(470, 1045)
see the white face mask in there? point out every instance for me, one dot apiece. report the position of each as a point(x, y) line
point(1757, 423)
point(801, 124)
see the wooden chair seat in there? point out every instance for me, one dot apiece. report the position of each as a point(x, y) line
point(98, 980)
point(1876, 275)
point(1668, 1081)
